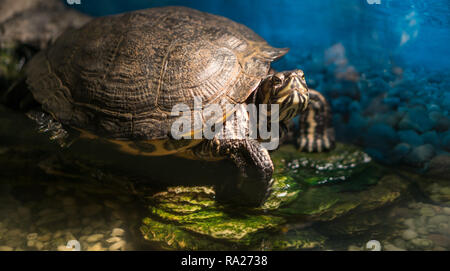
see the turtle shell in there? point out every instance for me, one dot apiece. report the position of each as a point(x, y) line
point(120, 76)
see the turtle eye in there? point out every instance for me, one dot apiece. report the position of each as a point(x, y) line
point(277, 80)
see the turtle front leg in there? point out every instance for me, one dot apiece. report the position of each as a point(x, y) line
point(315, 132)
point(253, 185)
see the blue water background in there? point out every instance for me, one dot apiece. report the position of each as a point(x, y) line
point(369, 31)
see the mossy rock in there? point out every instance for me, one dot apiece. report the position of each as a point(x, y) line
point(307, 187)
point(328, 203)
point(324, 186)
point(193, 211)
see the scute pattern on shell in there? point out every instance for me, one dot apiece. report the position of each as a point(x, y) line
point(119, 76)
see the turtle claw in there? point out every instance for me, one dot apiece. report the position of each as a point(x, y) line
point(317, 144)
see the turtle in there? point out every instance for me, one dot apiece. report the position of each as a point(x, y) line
point(119, 77)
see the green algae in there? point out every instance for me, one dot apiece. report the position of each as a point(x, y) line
point(297, 240)
point(318, 187)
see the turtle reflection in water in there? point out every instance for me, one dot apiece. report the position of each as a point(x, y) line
point(118, 78)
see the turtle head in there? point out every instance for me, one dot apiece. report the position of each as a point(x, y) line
point(287, 89)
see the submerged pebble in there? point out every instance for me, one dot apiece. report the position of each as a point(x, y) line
point(390, 247)
point(409, 234)
point(6, 248)
point(113, 240)
point(118, 245)
point(422, 243)
point(117, 232)
point(94, 238)
point(96, 247)
point(32, 236)
point(427, 211)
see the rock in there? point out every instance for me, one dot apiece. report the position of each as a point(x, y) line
point(409, 234)
point(390, 247)
point(433, 107)
point(39, 245)
point(378, 131)
point(409, 223)
point(431, 137)
point(354, 248)
point(117, 246)
point(410, 137)
point(422, 230)
point(439, 166)
point(6, 248)
point(416, 119)
point(398, 242)
point(376, 154)
point(64, 248)
point(427, 211)
point(31, 243)
point(444, 228)
point(96, 247)
point(420, 155)
point(87, 230)
point(117, 223)
point(32, 236)
point(446, 210)
point(392, 101)
point(117, 232)
point(438, 219)
point(313, 187)
point(435, 116)
point(94, 238)
point(439, 239)
point(113, 240)
point(445, 140)
point(437, 190)
point(422, 243)
point(400, 151)
point(441, 123)
point(45, 237)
